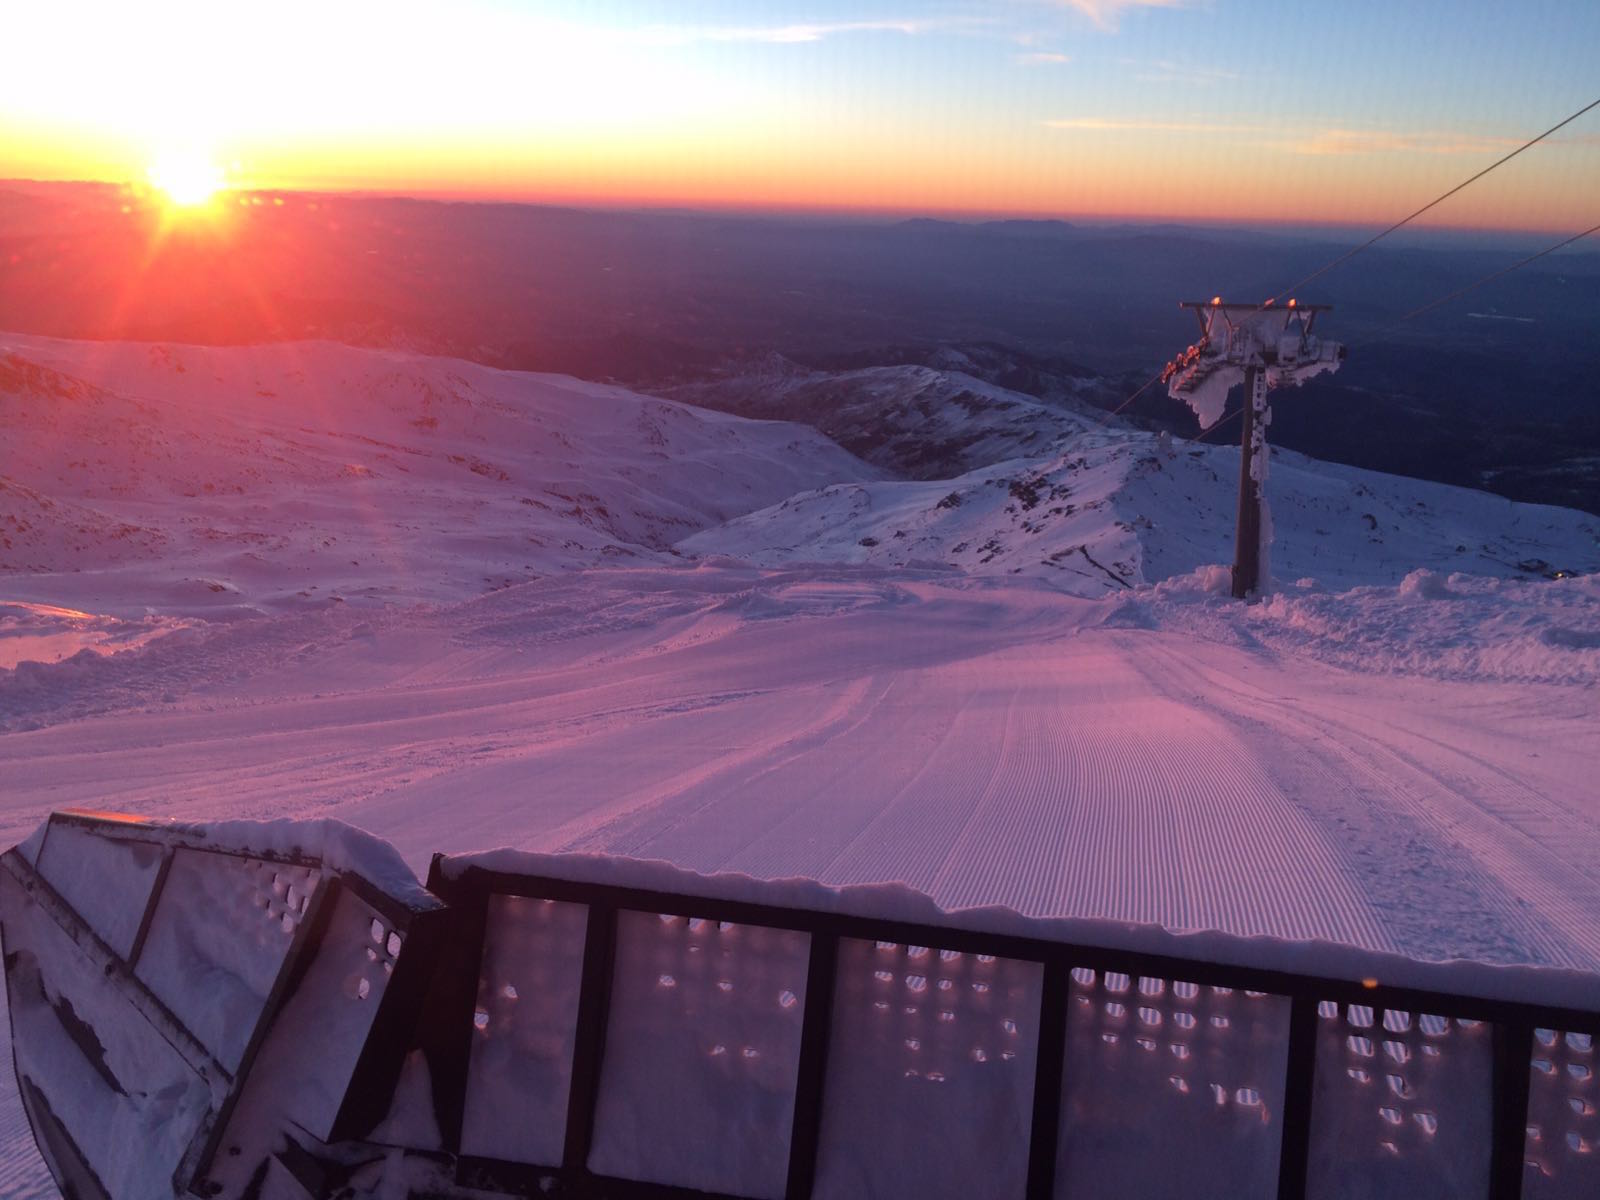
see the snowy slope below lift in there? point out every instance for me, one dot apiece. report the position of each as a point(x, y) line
point(1119, 510)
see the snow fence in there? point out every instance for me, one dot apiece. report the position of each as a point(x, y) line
point(280, 1012)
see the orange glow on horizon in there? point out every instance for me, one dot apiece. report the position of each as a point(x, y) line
point(1063, 173)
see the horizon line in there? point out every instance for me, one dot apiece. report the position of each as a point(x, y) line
point(875, 214)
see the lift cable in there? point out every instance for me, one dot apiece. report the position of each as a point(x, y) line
point(1143, 388)
point(1442, 300)
point(1459, 292)
point(1349, 254)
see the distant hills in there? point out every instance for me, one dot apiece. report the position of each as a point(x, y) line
point(658, 301)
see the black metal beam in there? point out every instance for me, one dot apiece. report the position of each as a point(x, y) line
point(1512, 1071)
point(149, 915)
point(1294, 1152)
point(589, 1040)
point(1047, 1080)
point(816, 1027)
point(445, 1029)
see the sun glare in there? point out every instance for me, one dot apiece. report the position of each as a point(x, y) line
point(187, 180)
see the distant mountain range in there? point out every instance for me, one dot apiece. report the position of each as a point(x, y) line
point(1496, 390)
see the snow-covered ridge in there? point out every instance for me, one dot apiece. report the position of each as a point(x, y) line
point(1121, 509)
point(259, 477)
point(916, 421)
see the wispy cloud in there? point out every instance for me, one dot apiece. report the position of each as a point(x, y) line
point(1165, 71)
point(799, 33)
point(1318, 142)
point(1107, 13)
point(1378, 141)
point(1043, 58)
point(1107, 125)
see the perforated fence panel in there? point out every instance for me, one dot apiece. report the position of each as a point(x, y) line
point(260, 1025)
point(1403, 1105)
point(946, 1040)
point(702, 1049)
point(108, 883)
point(1172, 1088)
point(220, 933)
point(524, 1027)
point(93, 1072)
point(1563, 1135)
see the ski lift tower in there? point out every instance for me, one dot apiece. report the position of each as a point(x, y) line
point(1263, 346)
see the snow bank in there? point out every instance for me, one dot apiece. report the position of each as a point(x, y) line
point(1447, 627)
point(45, 633)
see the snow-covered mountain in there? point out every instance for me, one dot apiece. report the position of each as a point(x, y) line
point(920, 421)
point(1122, 508)
point(183, 481)
point(279, 475)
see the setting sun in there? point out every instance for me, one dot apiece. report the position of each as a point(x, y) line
point(187, 179)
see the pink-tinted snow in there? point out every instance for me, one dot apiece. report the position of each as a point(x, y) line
point(1404, 767)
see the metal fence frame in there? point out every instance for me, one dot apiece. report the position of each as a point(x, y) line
point(468, 890)
point(430, 1006)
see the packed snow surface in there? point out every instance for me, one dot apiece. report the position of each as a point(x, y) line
point(729, 645)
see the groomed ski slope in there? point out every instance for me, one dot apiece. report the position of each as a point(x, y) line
point(988, 742)
point(981, 741)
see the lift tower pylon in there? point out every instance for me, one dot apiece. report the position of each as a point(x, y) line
point(1263, 346)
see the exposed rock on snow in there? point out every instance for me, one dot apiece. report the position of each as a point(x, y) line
point(920, 422)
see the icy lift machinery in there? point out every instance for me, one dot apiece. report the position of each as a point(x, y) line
point(1262, 346)
point(281, 1011)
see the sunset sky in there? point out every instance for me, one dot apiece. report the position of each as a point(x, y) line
point(1242, 110)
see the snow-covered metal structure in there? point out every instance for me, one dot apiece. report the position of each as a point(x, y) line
point(280, 1012)
point(1263, 347)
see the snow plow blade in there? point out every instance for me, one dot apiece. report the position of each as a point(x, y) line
point(281, 1012)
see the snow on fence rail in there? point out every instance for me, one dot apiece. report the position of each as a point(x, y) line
point(279, 1013)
